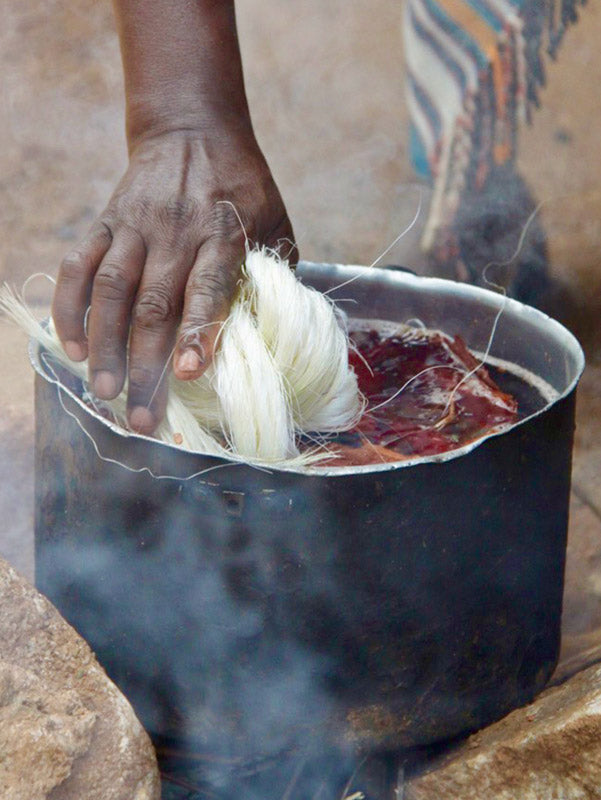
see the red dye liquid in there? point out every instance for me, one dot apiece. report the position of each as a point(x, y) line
point(426, 395)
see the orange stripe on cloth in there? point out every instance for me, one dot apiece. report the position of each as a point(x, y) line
point(487, 40)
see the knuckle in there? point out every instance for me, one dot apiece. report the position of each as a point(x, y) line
point(103, 232)
point(213, 287)
point(74, 266)
point(112, 281)
point(179, 212)
point(125, 211)
point(141, 377)
point(137, 215)
point(154, 308)
point(67, 319)
point(230, 224)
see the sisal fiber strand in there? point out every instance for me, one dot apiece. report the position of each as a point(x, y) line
point(280, 371)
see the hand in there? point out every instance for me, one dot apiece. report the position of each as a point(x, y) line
point(160, 265)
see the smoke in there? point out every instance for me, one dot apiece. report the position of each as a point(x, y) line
point(214, 615)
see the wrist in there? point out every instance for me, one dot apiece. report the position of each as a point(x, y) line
point(153, 117)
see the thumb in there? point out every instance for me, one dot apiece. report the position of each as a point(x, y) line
point(209, 292)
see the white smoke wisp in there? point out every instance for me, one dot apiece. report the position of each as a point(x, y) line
point(280, 371)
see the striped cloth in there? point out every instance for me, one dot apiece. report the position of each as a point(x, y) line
point(474, 68)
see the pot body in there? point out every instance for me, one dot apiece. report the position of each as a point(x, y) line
point(385, 607)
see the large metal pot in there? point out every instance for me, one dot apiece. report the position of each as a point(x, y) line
point(388, 606)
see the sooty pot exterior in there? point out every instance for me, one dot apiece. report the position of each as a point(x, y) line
point(383, 607)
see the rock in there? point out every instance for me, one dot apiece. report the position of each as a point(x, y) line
point(549, 749)
point(66, 732)
point(42, 732)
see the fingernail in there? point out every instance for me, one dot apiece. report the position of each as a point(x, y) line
point(105, 385)
point(141, 420)
point(75, 351)
point(189, 361)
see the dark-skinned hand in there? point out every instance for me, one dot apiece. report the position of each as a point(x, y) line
point(158, 269)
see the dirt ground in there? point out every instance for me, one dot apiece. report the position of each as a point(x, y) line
point(325, 83)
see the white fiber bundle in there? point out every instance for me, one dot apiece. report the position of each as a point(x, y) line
point(303, 332)
point(280, 371)
point(251, 391)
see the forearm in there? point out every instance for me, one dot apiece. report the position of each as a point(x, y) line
point(160, 266)
point(182, 66)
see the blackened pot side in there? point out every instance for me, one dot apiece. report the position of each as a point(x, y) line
point(384, 606)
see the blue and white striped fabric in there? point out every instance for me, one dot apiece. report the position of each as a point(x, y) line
point(473, 71)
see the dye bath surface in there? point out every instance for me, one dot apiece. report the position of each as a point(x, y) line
point(427, 394)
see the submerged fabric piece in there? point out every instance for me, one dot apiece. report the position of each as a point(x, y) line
point(281, 371)
point(474, 68)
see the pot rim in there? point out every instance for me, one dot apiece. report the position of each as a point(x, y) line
point(481, 296)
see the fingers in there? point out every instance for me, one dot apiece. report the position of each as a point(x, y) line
point(154, 321)
point(114, 289)
point(209, 292)
point(74, 288)
point(137, 294)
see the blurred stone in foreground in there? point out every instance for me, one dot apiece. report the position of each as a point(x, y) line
point(66, 732)
point(549, 749)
